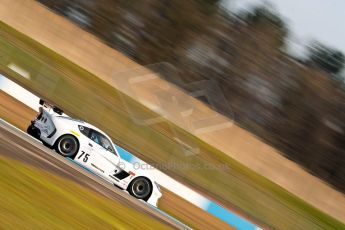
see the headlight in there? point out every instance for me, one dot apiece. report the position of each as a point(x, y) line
point(84, 130)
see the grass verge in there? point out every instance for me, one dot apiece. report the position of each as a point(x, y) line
point(84, 95)
point(18, 114)
point(34, 199)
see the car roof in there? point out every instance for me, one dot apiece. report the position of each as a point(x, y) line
point(83, 123)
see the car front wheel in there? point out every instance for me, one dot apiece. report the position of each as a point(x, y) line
point(67, 146)
point(140, 188)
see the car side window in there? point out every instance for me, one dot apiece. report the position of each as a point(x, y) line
point(101, 140)
point(94, 136)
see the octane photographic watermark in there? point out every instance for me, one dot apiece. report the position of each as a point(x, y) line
point(170, 103)
point(179, 166)
point(172, 106)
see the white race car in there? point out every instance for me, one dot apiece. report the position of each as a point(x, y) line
point(92, 149)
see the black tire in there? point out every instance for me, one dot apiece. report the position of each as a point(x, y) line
point(140, 188)
point(33, 131)
point(29, 130)
point(47, 145)
point(67, 145)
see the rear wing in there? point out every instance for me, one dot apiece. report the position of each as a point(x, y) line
point(47, 105)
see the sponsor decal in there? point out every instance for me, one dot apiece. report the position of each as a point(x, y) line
point(75, 133)
point(97, 167)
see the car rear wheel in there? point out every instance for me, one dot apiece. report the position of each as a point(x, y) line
point(140, 188)
point(47, 145)
point(33, 131)
point(67, 146)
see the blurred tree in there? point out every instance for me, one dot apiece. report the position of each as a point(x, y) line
point(326, 58)
point(169, 25)
point(244, 55)
point(267, 21)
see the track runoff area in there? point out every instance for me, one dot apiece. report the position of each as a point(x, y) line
point(234, 220)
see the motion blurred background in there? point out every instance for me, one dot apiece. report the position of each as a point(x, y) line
point(292, 102)
point(228, 88)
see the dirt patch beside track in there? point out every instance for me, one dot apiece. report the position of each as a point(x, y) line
point(15, 112)
point(19, 114)
point(84, 49)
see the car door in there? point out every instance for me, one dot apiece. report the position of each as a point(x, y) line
point(103, 161)
point(86, 153)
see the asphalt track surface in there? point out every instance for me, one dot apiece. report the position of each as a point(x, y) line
point(18, 145)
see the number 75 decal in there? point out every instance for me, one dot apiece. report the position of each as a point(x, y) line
point(86, 156)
